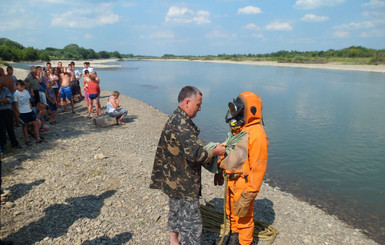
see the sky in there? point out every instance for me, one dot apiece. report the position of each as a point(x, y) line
point(195, 27)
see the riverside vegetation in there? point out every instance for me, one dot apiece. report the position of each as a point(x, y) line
point(13, 51)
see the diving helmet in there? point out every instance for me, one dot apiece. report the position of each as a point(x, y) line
point(236, 110)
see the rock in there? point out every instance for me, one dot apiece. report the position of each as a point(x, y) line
point(99, 156)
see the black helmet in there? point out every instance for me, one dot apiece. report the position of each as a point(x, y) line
point(236, 110)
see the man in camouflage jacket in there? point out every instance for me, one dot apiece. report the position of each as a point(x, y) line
point(177, 168)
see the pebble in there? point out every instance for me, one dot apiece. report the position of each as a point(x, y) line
point(60, 195)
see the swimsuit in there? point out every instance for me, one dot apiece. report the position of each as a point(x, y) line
point(66, 92)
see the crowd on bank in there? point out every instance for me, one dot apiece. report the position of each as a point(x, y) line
point(33, 102)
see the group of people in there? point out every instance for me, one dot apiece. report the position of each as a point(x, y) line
point(30, 102)
point(240, 161)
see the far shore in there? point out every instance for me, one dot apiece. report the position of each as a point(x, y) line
point(329, 66)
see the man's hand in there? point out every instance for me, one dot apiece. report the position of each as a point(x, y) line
point(219, 150)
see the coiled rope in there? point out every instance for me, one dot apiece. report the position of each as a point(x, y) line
point(213, 222)
point(217, 222)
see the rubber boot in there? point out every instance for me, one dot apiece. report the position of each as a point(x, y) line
point(234, 240)
point(231, 239)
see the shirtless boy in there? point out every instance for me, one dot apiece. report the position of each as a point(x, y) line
point(65, 89)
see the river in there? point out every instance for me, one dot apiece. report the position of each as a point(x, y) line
point(325, 127)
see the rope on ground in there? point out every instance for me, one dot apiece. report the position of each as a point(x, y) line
point(213, 222)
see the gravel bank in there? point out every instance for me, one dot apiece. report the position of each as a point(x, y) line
point(89, 185)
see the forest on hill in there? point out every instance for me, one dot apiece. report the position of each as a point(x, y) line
point(13, 51)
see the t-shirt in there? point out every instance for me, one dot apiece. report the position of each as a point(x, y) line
point(14, 81)
point(77, 74)
point(93, 88)
point(51, 94)
point(22, 99)
point(5, 94)
point(33, 82)
point(89, 69)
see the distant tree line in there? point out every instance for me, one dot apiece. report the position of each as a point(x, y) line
point(355, 54)
point(13, 51)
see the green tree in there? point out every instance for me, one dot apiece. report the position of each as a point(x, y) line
point(104, 55)
point(5, 52)
point(30, 54)
point(116, 54)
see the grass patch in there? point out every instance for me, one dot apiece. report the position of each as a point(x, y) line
point(94, 172)
point(141, 223)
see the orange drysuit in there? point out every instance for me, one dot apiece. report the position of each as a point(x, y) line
point(246, 166)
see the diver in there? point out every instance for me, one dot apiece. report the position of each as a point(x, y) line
point(245, 165)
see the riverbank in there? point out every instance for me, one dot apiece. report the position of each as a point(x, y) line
point(330, 66)
point(89, 185)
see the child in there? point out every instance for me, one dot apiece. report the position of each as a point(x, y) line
point(113, 108)
point(40, 111)
point(24, 110)
point(94, 91)
point(86, 81)
point(51, 100)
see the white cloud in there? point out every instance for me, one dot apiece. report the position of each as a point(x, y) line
point(279, 26)
point(375, 4)
point(373, 33)
point(202, 17)
point(259, 36)
point(357, 25)
point(18, 15)
point(314, 18)
point(251, 26)
point(162, 35)
point(314, 4)
point(218, 34)
point(375, 13)
point(341, 34)
point(88, 36)
point(80, 18)
point(249, 10)
point(184, 15)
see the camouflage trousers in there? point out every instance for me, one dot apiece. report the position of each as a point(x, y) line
point(185, 218)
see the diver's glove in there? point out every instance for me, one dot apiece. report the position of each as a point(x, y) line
point(218, 177)
point(242, 205)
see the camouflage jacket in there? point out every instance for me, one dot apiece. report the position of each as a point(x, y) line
point(178, 159)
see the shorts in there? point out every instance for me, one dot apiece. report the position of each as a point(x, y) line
point(185, 218)
point(93, 96)
point(56, 91)
point(66, 93)
point(26, 118)
point(74, 87)
point(52, 107)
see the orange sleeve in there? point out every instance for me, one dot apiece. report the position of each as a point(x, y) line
point(257, 158)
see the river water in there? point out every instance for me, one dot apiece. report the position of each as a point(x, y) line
point(326, 127)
